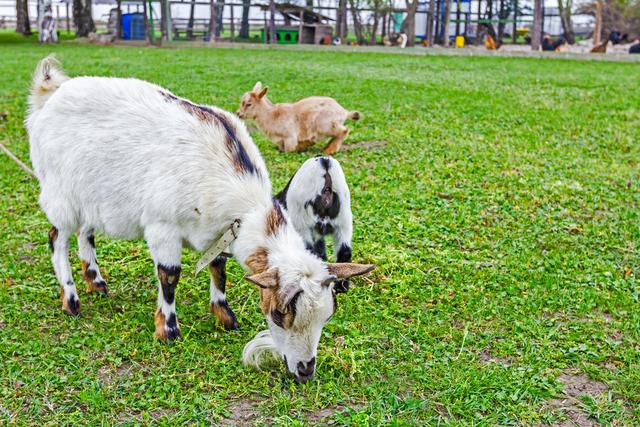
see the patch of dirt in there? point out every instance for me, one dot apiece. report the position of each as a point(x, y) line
point(108, 376)
point(367, 145)
point(576, 384)
point(316, 417)
point(243, 412)
point(486, 357)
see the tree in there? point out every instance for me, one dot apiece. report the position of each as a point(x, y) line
point(447, 20)
point(409, 23)
point(82, 18)
point(213, 21)
point(46, 23)
point(376, 5)
point(357, 21)
point(564, 10)
point(536, 33)
point(191, 20)
point(430, 19)
point(341, 19)
point(22, 18)
point(244, 24)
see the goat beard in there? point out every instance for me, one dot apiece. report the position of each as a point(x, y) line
point(260, 350)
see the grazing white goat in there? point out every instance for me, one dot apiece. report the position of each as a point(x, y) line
point(319, 204)
point(130, 159)
point(297, 126)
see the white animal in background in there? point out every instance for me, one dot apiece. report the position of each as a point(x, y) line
point(297, 126)
point(129, 159)
point(319, 204)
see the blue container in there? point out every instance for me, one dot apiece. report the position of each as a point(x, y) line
point(133, 26)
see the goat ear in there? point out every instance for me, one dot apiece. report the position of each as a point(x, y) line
point(257, 87)
point(266, 279)
point(345, 270)
point(263, 92)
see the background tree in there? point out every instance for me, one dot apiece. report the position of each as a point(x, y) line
point(445, 24)
point(377, 6)
point(244, 24)
point(213, 21)
point(409, 23)
point(564, 10)
point(536, 33)
point(357, 21)
point(192, 11)
point(22, 18)
point(341, 19)
point(46, 23)
point(82, 18)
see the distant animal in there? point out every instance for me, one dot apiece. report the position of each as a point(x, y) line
point(131, 159)
point(635, 48)
point(549, 45)
point(601, 48)
point(299, 125)
point(491, 44)
point(319, 204)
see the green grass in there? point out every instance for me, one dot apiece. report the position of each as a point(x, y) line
point(502, 215)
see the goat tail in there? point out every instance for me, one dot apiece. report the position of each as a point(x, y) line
point(256, 351)
point(354, 115)
point(46, 79)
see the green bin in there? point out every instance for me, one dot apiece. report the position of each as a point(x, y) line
point(283, 36)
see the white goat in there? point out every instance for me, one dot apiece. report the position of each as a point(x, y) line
point(297, 126)
point(130, 159)
point(319, 204)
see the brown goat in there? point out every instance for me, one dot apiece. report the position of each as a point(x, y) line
point(297, 126)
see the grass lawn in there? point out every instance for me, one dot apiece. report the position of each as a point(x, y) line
point(502, 215)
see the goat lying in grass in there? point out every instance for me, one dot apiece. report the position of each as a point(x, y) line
point(130, 159)
point(297, 126)
point(319, 204)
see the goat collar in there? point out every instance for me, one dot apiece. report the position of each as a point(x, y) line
point(218, 246)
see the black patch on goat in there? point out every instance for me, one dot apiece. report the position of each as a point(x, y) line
point(282, 196)
point(168, 276)
point(344, 253)
point(92, 241)
point(327, 203)
point(53, 236)
point(324, 161)
point(242, 161)
point(320, 249)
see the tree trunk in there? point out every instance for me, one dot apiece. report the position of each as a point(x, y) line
point(272, 21)
point(478, 26)
point(445, 25)
point(430, 18)
point(357, 23)
point(409, 23)
point(244, 24)
point(220, 12)
point(213, 21)
point(597, 31)
point(564, 10)
point(536, 33)
point(46, 23)
point(373, 40)
point(22, 18)
point(342, 16)
point(192, 11)
point(82, 18)
point(310, 4)
point(501, 18)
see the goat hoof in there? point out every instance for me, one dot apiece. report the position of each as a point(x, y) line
point(166, 329)
point(225, 315)
point(71, 306)
point(100, 287)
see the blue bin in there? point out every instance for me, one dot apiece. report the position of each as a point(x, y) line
point(133, 26)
